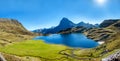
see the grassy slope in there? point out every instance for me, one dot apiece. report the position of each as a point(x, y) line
point(13, 31)
point(34, 49)
point(112, 45)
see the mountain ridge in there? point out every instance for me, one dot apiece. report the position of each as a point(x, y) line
point(12, 30)
point(64, 24)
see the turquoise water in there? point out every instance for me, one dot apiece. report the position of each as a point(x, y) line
point(75, 40)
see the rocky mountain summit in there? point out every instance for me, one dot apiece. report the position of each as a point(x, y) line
point(64, 25)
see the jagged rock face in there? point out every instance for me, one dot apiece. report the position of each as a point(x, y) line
point(12, 26)
point(107, 23)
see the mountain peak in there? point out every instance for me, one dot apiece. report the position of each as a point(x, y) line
point(64, 24)
point(66, 21)
point(64, 18)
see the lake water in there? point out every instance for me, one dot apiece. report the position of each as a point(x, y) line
point(76, 40)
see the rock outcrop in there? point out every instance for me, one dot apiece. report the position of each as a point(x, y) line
point(113, 57)
point(2, 58)
point(108, 22)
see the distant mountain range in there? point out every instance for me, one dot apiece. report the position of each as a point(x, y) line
point(64, 24)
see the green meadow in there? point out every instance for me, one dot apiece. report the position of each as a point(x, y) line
point(33, 48)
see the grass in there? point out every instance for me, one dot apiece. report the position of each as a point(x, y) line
point(33, 48)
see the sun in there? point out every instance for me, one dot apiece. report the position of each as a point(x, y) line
point(100, 2)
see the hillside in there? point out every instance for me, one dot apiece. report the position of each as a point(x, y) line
point(11, 31)
point(108, 22)
point(108, 29)
point(109, 34)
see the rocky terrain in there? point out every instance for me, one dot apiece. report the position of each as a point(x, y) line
point(113, 57)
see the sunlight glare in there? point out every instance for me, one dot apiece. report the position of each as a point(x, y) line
point(100, 2)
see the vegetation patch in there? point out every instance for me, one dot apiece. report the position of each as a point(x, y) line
point(33, 48)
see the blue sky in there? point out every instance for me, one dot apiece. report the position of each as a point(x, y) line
point(34, 14)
